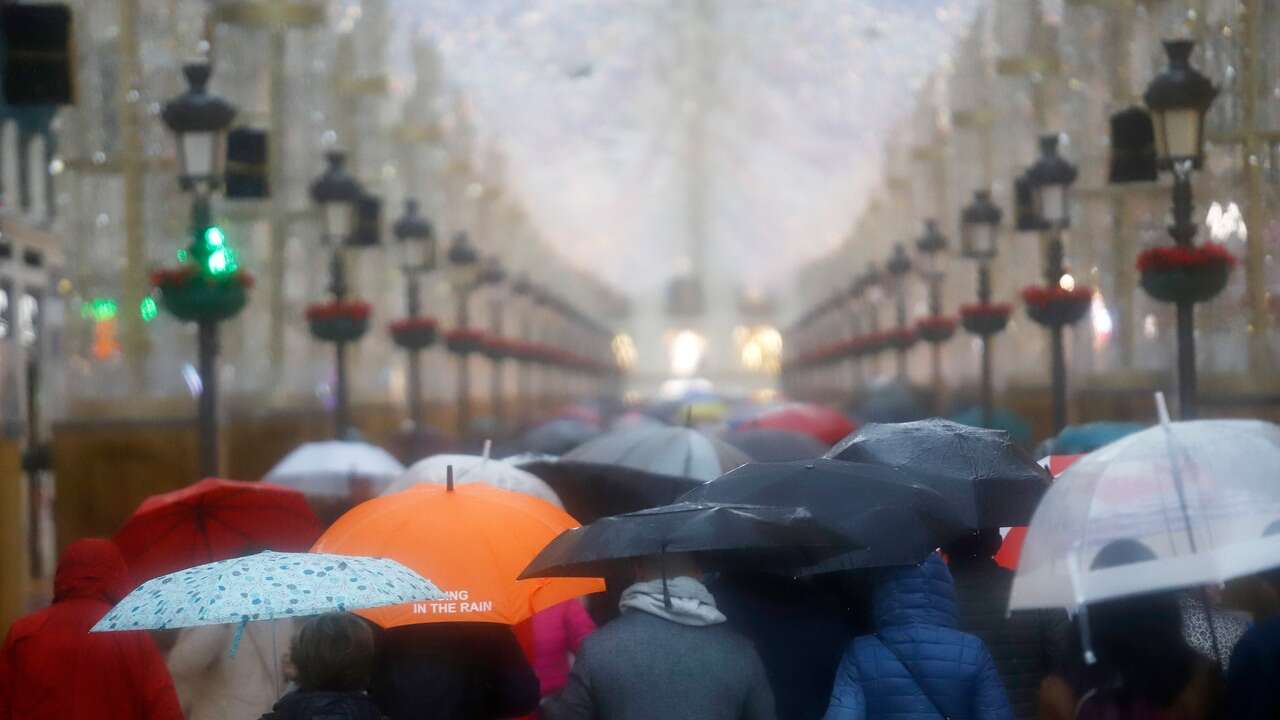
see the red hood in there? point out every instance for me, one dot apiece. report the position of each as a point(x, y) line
point(91, 568)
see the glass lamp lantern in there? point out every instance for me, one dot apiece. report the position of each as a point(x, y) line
point(1178, 99)
point(979, 227)
point(491, 271)
point(337, 194)
point(873, 284)
point(464, 264)
point(199, 121)
point(416, 242)
point(1050, 179)
point(931, 245)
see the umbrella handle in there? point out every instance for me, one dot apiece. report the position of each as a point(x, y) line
point(662, 564)
point(235, 641)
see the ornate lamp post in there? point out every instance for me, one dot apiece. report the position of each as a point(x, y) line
point(416, 243)
point(937, 328)
point(464, 277)
point(979, 228)
point(857, 326)
point(340, 321)
point(1184, 274)
point(1059, 302)
point(207, 287)
point(873, 295)
point(899, 267)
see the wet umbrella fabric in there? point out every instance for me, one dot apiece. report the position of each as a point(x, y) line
point(1201, 496)
point(992, 481)
point(766, 445)
point(900, 522)
point(818, 422)
point(266, 586)
point(472, 541)
point(557, 437)
point(474, 468)
point(214, 520)
point(720, 535)
point(677, 451)
point(589, 491)
point(336, 469)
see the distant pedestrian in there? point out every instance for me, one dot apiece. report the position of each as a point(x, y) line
point(53, 668)
point(917, 665)
point(332, 659)
point(1253, 676)
point(1027, 645)
point(558, 633)
point(1144, 668)
point(669, 655)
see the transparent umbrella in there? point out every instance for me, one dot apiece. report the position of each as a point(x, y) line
point(474, 468)
point(1201, 496)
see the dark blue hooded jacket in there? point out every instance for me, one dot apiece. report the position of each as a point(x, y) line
point(917, 666)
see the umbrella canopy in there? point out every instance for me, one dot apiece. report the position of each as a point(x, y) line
point(592, 490)
point(717, 533)
point(474, 468)
point(766, 445)
point(214, 520)
point(1090, 436)
point(266, 586)
point(678, 451)
point(990, 480)
point(1007, 420)
point(818, 422)
point(1011, 546)
point(473, 541)
point(336, 469)
point(1200, 496)
point(557, 437)
point(899, 521)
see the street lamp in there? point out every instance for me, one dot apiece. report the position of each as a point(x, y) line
point(979, 230)
point(1059, 303)
point(416, 255)
point(463, 272)
point(873, 295)
point(208, 288)
point(337, 194)
point(934, 329)
point(1178, 99)
point(899, 266)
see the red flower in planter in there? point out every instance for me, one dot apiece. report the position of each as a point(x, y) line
point(1042, 295)
point(936, 328)
point(986, 309)
point(1178, 257)
point(339, 310)
point(413, 324)
point(187, 275)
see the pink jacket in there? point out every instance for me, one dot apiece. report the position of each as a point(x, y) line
point(558, 632)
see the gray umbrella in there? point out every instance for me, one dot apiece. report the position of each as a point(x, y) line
point(678, 451)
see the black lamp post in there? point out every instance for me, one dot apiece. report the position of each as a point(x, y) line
point(337, 194)
point(857, 327)
point(934, 329)
point(899, 266)
point(522, 292)
point(979, 228)
point(1049, 180)
point(416, 243)
point(464, 277)
point(1178, 99)
point(207, 289)
point(872, 296)
point(491, 275)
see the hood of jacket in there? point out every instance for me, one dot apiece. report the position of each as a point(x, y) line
point(914, 594)
point(308, 704)
point(91, 568)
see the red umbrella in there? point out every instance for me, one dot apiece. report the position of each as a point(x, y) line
point(214, 520)
point(816, 421)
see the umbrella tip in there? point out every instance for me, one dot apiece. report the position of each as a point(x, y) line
point(448, 478)
point(488, 447)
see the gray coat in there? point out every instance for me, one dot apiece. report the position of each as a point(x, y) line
point(642, 667)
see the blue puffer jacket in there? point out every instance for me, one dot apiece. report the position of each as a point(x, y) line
point(914, 609)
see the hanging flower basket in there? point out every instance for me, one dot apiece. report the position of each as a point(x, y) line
point(339, 321)
point(493, 347)
point(984, 319)
point(464, 341)
point(900, 338)
point(192, 296)
point(1053, 306)
point(1185, 274)
point(414, 333)
point(936, 328)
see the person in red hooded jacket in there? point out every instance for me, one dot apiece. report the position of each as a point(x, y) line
point(53, 668)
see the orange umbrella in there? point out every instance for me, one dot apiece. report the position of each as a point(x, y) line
point(472, 541)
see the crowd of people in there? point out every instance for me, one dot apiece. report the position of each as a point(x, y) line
point(922, 641)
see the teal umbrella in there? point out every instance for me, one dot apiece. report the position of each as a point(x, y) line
point(1001, 419)
point(1077, 439)
point(266, 586)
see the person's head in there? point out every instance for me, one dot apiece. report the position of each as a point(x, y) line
point(333, 652)
point(974, 545)
point(91, 568)
point(670, 565)
point(1139, 639)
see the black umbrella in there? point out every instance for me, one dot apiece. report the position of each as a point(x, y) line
point(720, 535)
point(983, 473)
point(768, 445)
point(898, 520)
point(592, 490)
point(557, 437)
